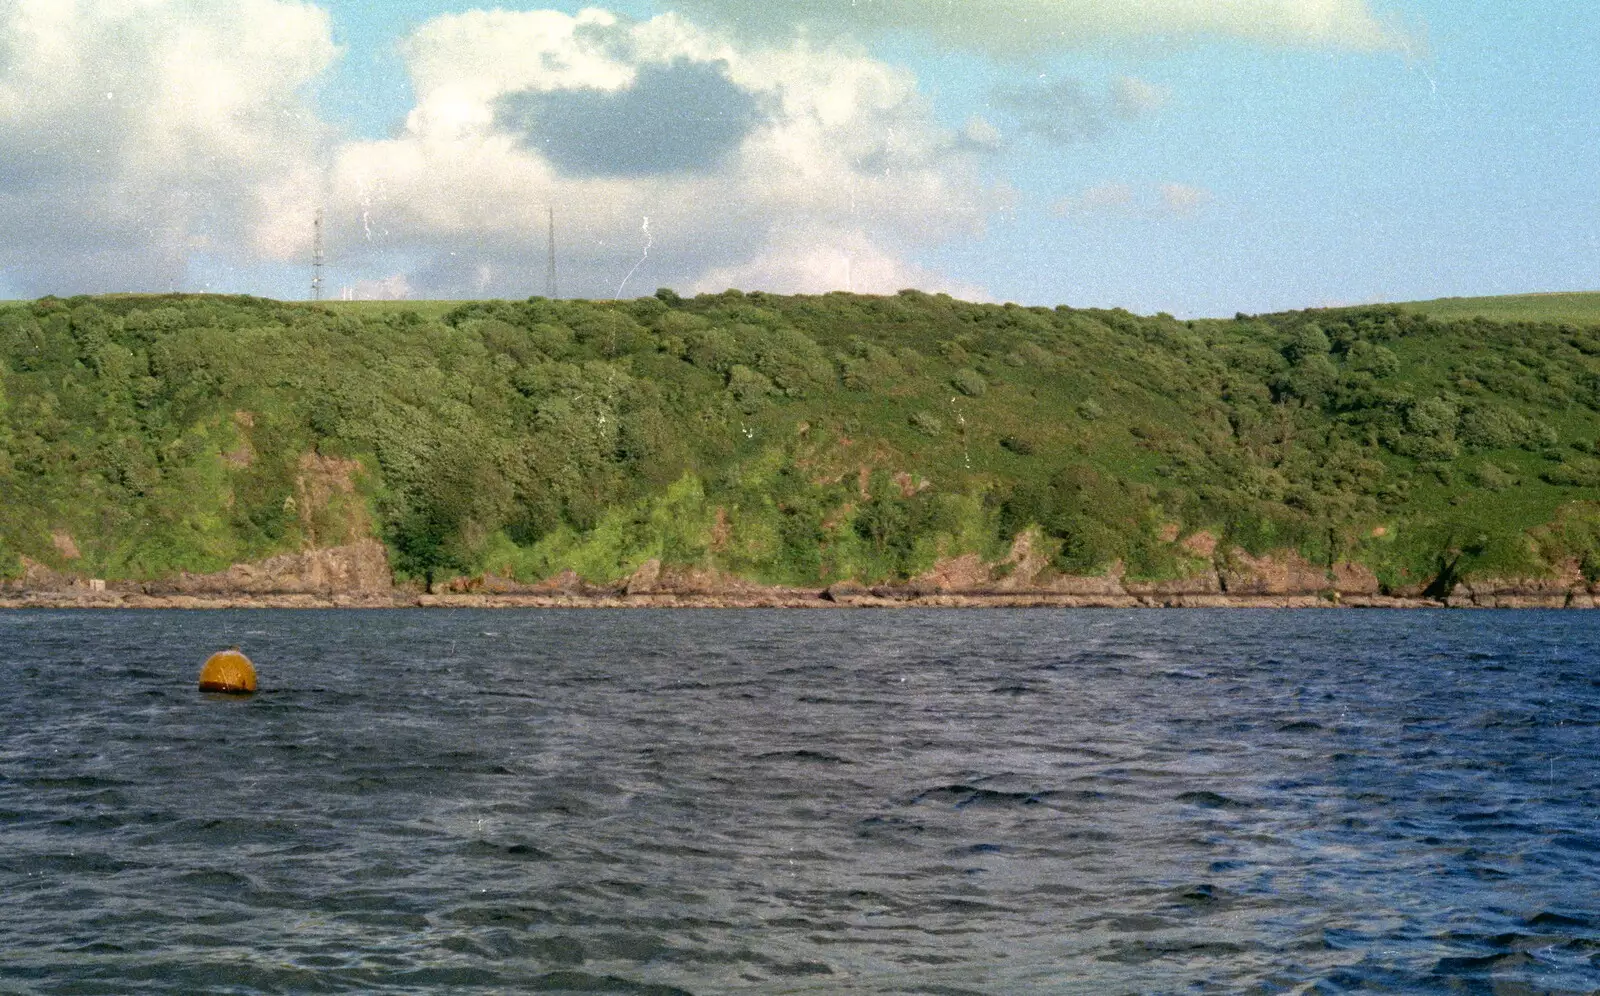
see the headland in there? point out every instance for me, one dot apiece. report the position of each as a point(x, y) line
point(827, 450)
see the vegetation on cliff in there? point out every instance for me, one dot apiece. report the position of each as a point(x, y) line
point(794, 440)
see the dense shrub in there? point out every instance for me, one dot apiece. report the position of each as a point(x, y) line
point(969, 382)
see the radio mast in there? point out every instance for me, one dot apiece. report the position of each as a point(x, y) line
point(316, 256)
point(550, 266)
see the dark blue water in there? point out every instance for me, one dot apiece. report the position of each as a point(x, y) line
point(796, 802)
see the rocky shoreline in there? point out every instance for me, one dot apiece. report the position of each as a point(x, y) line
point(837, 597)
point(357, 576)
point(776, 598)
point(769, 599)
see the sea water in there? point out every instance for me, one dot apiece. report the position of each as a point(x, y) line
point(703, 802)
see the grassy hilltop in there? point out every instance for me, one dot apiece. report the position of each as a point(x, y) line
point(1571, 309)
point(796, 439)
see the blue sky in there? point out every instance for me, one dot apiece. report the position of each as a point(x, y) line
point(1313, 153)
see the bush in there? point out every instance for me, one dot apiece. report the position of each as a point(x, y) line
point(749, 388)
point(969, 382)
point(1368, 357)
point(793, 361)
point(872, 368)
point(1492, 478)
point(713, 349)
point(1430, 431)
point(1017, 445)
point(1490, 427)
point(1576, 474)
point(1306, 342)
point(555, 341)
point(612, 333)
point(1590, 566)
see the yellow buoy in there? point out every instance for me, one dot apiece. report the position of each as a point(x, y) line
point(228, 671)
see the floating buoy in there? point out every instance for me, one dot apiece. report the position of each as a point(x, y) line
point(228, 671)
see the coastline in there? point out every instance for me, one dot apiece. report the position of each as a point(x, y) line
point(358, 576)
point(776, 598)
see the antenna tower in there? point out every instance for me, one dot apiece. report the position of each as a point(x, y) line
point(550, 268)
point(316, 256)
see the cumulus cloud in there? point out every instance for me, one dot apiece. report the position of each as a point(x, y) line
point(752, 161)
point(135, 134)
point(680, 115)
point(138, 137)
point(1008, 27)
point(815, 262)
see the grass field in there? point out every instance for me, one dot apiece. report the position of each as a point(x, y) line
point(1573, 309)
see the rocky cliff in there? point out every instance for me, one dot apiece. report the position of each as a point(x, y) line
point(358, 574)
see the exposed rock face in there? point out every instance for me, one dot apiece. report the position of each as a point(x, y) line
point(1104, 585)
point(650, 579)
point(1570, 590)
point(1026, 571)
point(567, 584)
point(1024, 565)
point(700, 581)
point(38, 577)
point(1354, 579)
point(65, 545)
point(358, 573)
point(1205, 583)
point(965, 573)
point(847, 593)
point(1284, 574)
point(325, 498)
point(1234, 578)
point(1201, 544)
point(644, 579)
point(358, 568)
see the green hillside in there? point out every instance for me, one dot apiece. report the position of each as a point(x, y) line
point(790, 439)
point(1573, 309)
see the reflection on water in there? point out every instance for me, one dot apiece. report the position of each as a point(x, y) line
point(715, 802)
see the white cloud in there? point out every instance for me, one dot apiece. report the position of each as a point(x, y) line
point(728, 149)
point(981, 133)
point(815, 262)
point(138, 137)
point(134, 133)
point(1017, 26)
point(392, 288)
point(1184, 200)
point(1132, 97)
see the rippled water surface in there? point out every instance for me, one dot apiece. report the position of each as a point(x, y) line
point(802, 802)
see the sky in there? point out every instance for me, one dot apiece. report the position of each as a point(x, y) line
point(1198, 157)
